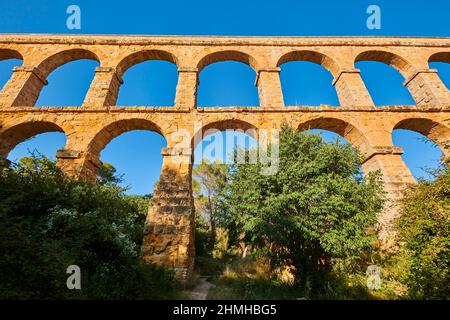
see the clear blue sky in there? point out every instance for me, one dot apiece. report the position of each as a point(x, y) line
point(137, 153)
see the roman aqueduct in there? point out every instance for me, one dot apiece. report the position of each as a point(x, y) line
point(168, 234)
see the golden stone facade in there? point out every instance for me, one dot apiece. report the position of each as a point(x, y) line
point(168, 234)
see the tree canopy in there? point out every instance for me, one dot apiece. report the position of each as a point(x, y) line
point(316, 208)
point(424, 231)
point(49, 222)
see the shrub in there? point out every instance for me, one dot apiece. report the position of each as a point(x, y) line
point(424, 229)
point(49, 221)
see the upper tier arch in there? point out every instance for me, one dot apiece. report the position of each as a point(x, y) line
point(390, 58)
point(144, 55)
point(311, 56)
point(440, 57)
point(10, 54)
point(228, 55)
point(59, 59)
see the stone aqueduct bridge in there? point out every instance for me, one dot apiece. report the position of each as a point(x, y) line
point(168, 238)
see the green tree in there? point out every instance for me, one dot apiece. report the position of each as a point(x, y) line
point(209, 179)
point(107, 174)
point(49, 221)
point(424, 230)
point(316, 208)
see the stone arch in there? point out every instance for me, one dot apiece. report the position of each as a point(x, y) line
point(342, 127)
point(10, 54)
point(13, 135)
point(433, 130)
point(116, 128)
point(61, 58)
point(443, 57)
point(311, 56)
point(440, 57)
point(222, 125)
point(392, 59)
point(231, 56)
point(32, 87)
point(404, 67)
point(144, 55)
point(228, 55)
point(6, 54)
point(136, 58)
point(320, 59)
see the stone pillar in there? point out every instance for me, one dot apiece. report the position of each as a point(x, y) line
point(186, 94)
point(269, 89)
point(169, 228)
point(427, 88)
point(104, 88)
point(23, 88)
point(396, 177)
point(77, 164)
point(351, 89)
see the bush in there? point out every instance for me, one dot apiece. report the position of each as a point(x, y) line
point(48, 222)
point(204, 240)
point(424, 228)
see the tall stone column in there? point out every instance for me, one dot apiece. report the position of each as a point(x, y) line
point(23, 88)
point(427, 88)
point(396, 177)
point(351, 89)
point(186, 94)
point(169, 228)
point(78, 164)
point(269, 89)
point(104, 88)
